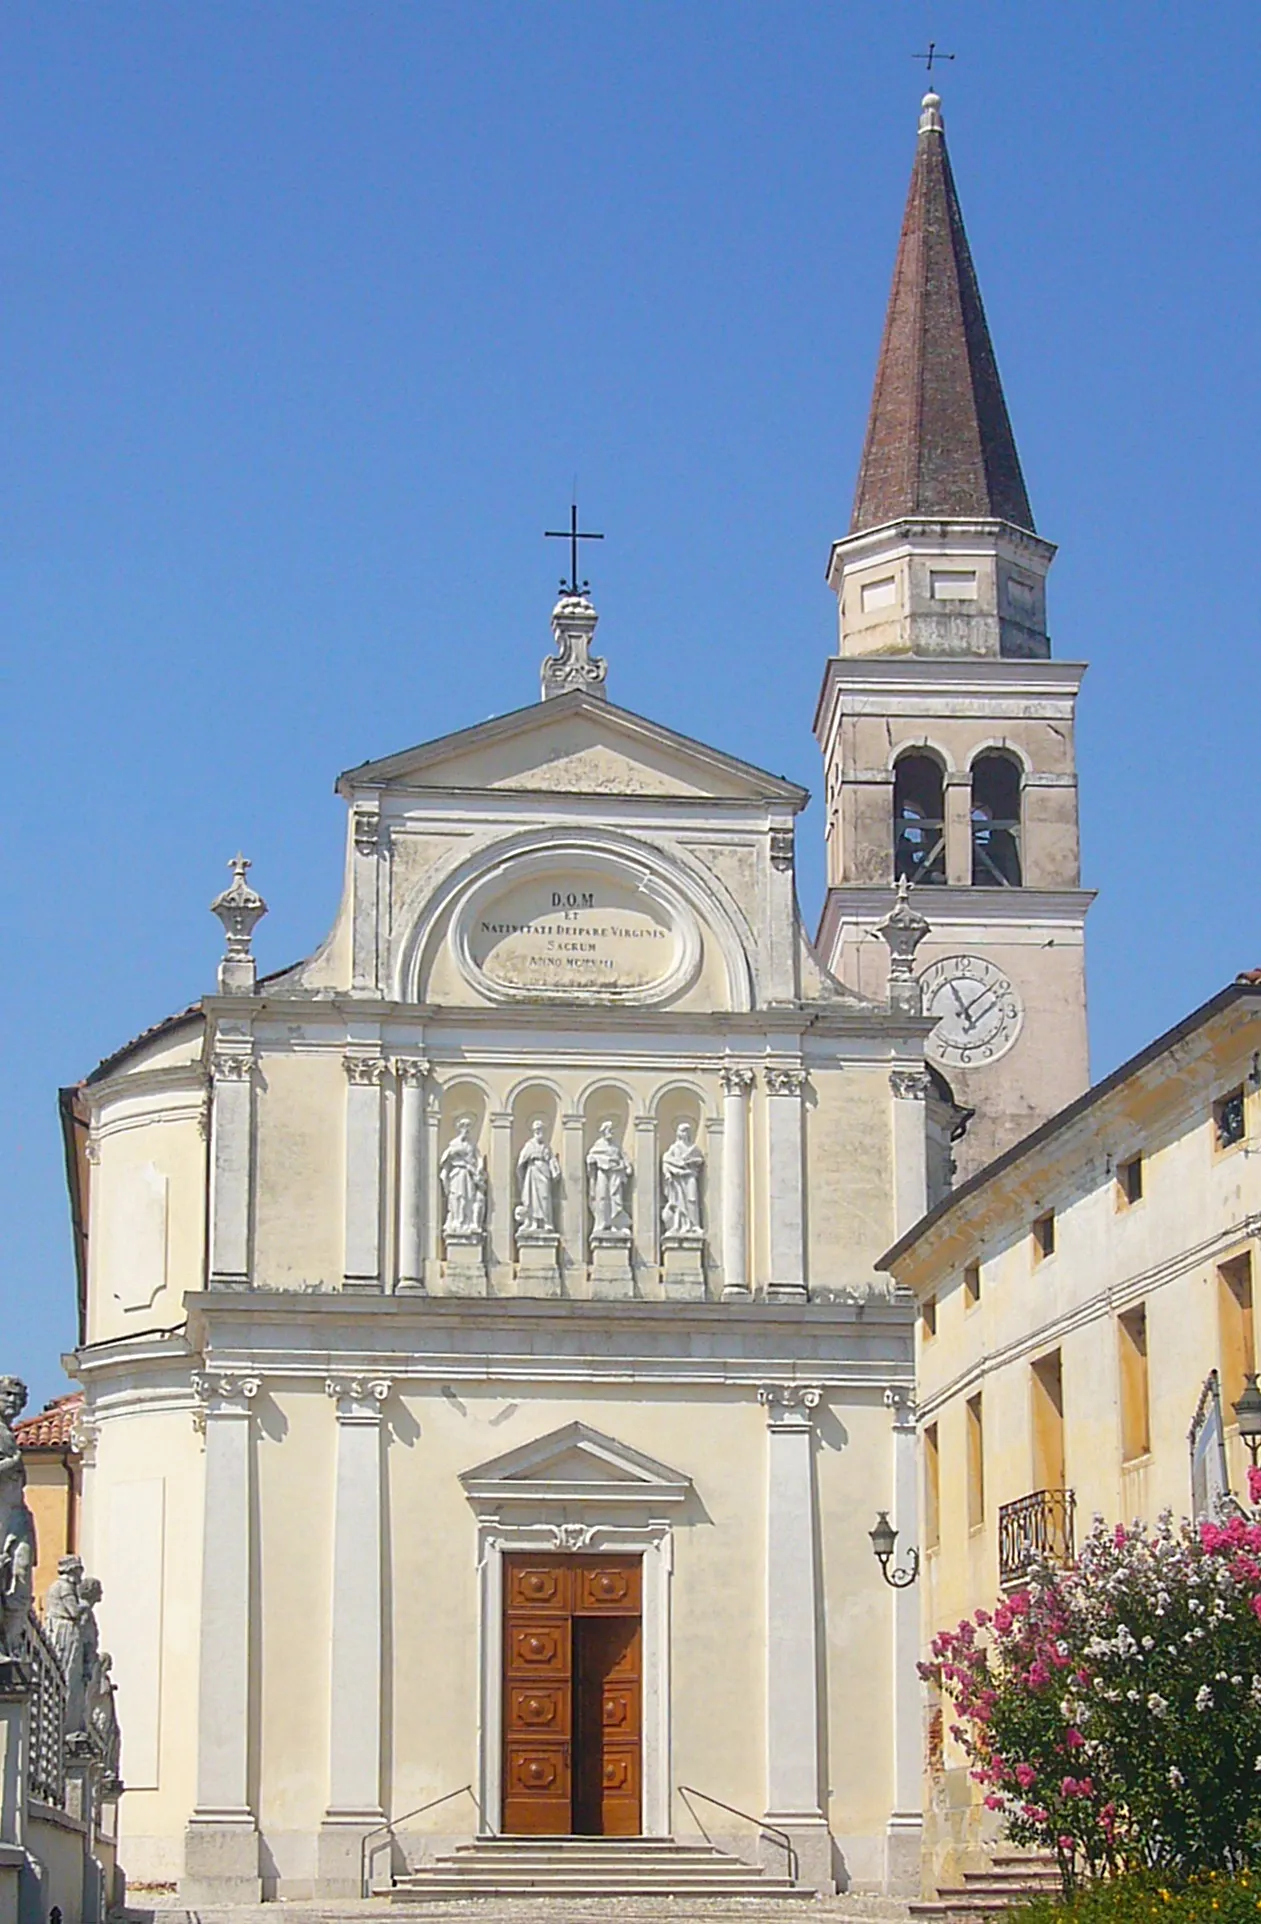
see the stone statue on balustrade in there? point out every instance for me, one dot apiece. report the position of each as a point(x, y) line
point(538, 1173)
point(70, 1621)
point(17, 1525)
point(682, 1167)
point(103, 1728)
point(462, 1168)
point(608, 1172)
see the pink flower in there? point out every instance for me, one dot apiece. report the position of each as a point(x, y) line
point(993, 1803)
point(1025, 1775)
point(1255, 1607)
point(1254, 1485)
point(1073, 1738)
point(1064, 1843)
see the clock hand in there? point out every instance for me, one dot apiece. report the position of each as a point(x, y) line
point(962, 1005)
point(975, 1004)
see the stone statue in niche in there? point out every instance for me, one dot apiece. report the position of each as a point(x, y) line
point(103, 1721)
point(608, 1172)
point(17, 1525)
point(462, 1168)
point(681, 1169)
point(538, 1173)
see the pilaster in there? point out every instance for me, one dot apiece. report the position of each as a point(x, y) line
point(365, 1074)
point(433, 1191)
point(905, 1833)
point(410, 1073)
point(910, 1146)
point(572, 1214)
point(736, 1085)
point(786, 1184)
point(221, 1845)
point(231, 1162)
point(355, 1685)
point(646, 1199)
point(793, 1787)
point(365, 889)
point(499, 1212)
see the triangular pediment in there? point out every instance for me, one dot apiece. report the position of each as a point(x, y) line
point(575, 744)
point(575, 1463)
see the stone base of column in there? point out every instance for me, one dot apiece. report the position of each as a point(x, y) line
point(339, 1867)
point(465, 1272)
point(409, 1286)
point(611, 1273)
point(812, 1841)
point(221, 1863)
point(362, 1285)
point(683, 1265)
point(736, 1293)
point(787, 1293)
point(538, 1270)
point(904, 1854)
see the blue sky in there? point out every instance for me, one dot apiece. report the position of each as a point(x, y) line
point(313, 311)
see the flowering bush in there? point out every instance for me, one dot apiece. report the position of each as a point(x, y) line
point(1141, 1898)
point(1113, 1711)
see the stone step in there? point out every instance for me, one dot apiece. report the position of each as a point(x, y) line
point(446, 1890)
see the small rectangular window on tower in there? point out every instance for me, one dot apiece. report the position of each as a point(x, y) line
point(1228, 1119)
point(932, 1488)
point(972, 1285)
point(1044, 1236)
point(952, 584)
point(1129, 1182)
point(928, 1316)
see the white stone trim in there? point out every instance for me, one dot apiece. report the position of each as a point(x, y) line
point(652, 1541)
point(355, 1680)
point(793, 1789)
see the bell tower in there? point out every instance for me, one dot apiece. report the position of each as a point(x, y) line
point(945, 725)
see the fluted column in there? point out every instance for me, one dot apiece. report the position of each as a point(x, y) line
point(785, 1155)
point(793, 1790)
point(354, 1797)
point(736, 1084)
point(221, 1861)
point(231, 1162)
point(410, 1072)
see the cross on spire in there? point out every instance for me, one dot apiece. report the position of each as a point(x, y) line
point(932, 55)
point(573, 535)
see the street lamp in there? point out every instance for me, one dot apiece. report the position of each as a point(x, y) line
point(884, 1537)
point(1248, 1417)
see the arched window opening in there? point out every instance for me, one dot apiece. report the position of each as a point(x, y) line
point(919, 821)
point(995, 822)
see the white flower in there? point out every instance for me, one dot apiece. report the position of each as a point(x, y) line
point(1157, 1704)
point(1175, 1778)
point(1237, 1682)
point(1204, 1696)
point(1132, 1697)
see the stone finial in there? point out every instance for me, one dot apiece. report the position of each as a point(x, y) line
point(240, 908)
point(902, 930)
point(930, 120)
point(573, 665)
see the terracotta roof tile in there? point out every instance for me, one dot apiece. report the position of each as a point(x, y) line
point(939, 439)
point(50, 1428)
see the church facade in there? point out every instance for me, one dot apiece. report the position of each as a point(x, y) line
point(489, 1390)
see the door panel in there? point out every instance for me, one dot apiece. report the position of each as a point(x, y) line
point(572, 1696)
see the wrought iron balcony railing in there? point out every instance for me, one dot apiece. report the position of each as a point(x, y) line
point(1039, 1524)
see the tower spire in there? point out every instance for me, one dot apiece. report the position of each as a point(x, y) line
point(939, 439)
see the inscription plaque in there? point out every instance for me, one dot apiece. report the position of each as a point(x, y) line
point(580, 933)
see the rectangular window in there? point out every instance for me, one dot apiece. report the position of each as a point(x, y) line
point(952, 584)
point(972, 1285)
point(1044, 1236)
point(932, 1488)
point(1130, 1182)
point(1136, 1437)
point(1046, 1390)
point(928, 1316)
point(1228, 1120)
point(976, 1463)
point(1234, 1316)
point(879, 594)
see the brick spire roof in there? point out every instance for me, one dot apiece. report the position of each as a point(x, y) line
point(939, 440)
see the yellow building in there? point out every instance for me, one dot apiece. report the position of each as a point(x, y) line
point(53, 1482)
point(1085, 1309)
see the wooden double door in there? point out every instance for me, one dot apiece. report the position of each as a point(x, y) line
point(572, 1694)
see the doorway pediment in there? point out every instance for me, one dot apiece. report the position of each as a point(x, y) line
point(575, 1464)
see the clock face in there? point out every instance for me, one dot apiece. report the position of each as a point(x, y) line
point(977, 1009)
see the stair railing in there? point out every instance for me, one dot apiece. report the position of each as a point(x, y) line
point(384, 1833)
point(777, 1836)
